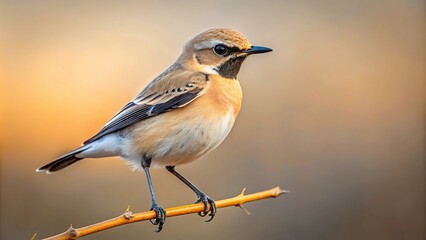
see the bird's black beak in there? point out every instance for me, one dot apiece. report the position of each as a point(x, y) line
point(257, 50)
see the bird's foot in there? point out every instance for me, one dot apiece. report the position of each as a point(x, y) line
point(209, 206)
point(160, 218)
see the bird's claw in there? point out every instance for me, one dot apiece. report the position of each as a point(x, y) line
point(208, 210)
point(160, 218)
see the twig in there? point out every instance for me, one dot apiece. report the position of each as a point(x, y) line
point(128, 217)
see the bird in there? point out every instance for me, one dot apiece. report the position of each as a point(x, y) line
point(179, 117)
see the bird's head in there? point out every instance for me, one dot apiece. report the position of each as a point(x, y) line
point(218, 51)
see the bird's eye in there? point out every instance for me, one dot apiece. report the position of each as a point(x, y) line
point(220, 49)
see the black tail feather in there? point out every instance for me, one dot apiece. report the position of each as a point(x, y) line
point(62, 162)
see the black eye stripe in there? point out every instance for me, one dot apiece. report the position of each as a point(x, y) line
point(233, 50)
point(224, 50)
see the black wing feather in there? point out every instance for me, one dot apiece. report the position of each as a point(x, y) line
point(173, 103)
point(133, 113)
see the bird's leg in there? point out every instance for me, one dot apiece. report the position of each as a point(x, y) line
point(202, 197)
point(161, 214)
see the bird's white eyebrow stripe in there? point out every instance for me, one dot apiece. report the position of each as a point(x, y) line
point(207, 44)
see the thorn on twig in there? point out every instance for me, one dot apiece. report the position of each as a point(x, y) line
point(245, 209)
point(242, 193)
point(278, 191)
point(72, 231)
point(128, 214)
point(241, 205)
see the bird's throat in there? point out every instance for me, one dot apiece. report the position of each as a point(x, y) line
point(231, 67)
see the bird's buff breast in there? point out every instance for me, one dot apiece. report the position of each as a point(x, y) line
point(174, 141)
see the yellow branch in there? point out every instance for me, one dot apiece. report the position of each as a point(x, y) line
point(128, 217)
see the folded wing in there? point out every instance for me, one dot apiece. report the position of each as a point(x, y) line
point(173, 89)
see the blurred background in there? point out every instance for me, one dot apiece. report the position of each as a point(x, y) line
point(336, 114)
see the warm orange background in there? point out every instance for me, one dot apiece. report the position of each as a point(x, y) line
point(336, 114)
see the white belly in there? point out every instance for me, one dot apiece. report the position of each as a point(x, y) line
point(192, 142)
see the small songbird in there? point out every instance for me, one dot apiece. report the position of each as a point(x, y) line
point(183, 114)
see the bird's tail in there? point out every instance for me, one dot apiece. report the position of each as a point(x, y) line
point(63, 161)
